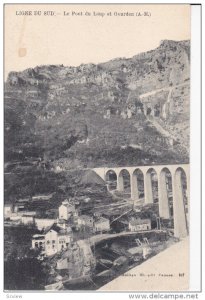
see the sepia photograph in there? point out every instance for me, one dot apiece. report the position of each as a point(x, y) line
point(97, 147)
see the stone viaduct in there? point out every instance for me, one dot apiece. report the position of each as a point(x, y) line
point(175, 171)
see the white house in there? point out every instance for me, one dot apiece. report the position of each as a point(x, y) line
point(38, 241)
point(27, 219)
point(42, 197)
point(19, 207)
point(53, 240)
point(66, 210)
point(139, 224)
point(8, 210)
point(56, 239)
point(16, 217)
point(85, 220)
point(102, 224)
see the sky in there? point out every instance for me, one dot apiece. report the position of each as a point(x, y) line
point(84, 38)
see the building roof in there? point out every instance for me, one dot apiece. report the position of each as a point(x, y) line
point(85, 217)
point(20, 204)
point(101, 220)
point(29, 213)
point(23, 200)
point(111, 213)
point(43, 196)
point(66, 203)
point(125, 222)
point(55, 228)
point(139, 221)
point(38, 237)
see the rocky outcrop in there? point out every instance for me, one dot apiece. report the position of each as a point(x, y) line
point(63, 110)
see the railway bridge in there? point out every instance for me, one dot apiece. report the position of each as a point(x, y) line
point(164, 178)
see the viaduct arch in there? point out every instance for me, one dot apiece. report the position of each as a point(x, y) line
point(168, 180)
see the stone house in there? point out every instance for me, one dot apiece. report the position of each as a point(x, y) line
point(19, 206)
point(101, 224)
point(66, 209)
point(85, 220)
point(38, 241)
point(53, 240)
point(8, 210)
point(27, 219)
point(139, 224)
point(56, 239)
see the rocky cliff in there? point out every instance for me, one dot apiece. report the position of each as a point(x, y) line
point(125, 111)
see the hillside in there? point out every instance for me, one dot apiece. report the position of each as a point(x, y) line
point(122, 112)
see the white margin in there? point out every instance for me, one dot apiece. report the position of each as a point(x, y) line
point(195, 150)
point(195, 211)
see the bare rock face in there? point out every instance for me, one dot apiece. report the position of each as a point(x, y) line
point(95, 113)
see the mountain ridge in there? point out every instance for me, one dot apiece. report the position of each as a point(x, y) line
point(70, 114)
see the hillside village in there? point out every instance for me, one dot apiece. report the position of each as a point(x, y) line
point(67, 245)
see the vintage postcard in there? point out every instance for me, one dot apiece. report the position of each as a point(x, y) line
point(96, 147)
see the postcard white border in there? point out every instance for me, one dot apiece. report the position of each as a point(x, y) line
point(195, 158)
